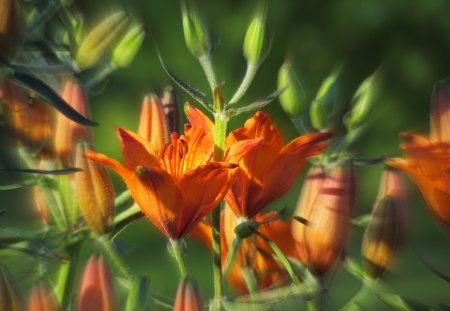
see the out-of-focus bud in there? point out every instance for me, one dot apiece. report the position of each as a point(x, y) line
point(328, 204)
point(98, 42)
point(68, 133)
point(42, 299)
point(257, 41)
point(171, 109)
point(97, 290)
point(153, 124)
point(386, 229)
point(9, 300)
point(362, 104)
point(188, 296)
point(12, 28)
point(324, 110)
point(94, 192)
point(42, 206)
point(195, 33)
point(127, 48)
point(440, 112)
point(293, 98)
point(139, 297)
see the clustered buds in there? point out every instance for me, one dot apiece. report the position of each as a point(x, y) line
point(327, 206)
point(386, 229)
point(293, 98)
point(188, 296)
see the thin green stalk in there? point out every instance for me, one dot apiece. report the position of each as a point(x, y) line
point(122, 198)
point(250, 281)
point(230, 257)
point(245, 84)
point(178, 254)
point(66, 276)
point(114, 256)
point(357, 299)
point(205, 62)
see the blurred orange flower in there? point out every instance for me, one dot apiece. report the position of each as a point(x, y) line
point(177, 187)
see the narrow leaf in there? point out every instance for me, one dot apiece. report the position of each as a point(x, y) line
point(361, 221)
point(256, 105)
point(65, 171)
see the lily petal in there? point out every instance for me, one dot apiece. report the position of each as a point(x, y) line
point(136, 151)
point(197, 118)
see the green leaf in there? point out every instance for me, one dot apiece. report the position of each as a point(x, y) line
point(31, 82)
point(361, 221)
point(396, 302)
point(256, 105)
point(64, 171)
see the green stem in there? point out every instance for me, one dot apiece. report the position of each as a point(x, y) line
point(125, 218)
point(122, 198)
point(245, 84)
point(357, 299)
point(114, 256)
point(250, 281)
point(178, 254)
point(66, 276)
point(205, 62)
point(230, 257)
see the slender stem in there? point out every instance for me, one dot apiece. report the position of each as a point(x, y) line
point(162, 300)
point(178, 254)
point(114, 256)
point(205, 62)
point(123, 198)
point(250, 281)
point(231, 255)
point(357, 299)
point(245, 84)
point(66, 275)
point(103, 72)
point(125, 218)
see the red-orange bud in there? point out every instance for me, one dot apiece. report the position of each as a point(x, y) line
point(440, 112)
point(188, 296)
point(171, 109)
point(94, 191)
point(97, 290)
point(328, 205)
point(42, 299)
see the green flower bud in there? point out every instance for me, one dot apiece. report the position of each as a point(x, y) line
point(128, 47)
point(195, 34)
point(362, 104)
point(139, 297)
point(99, 40)
point(245, 229)
point(256, 42)
point(293, 98)
point(324, 108)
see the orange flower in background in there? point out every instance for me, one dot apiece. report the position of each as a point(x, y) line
point(177, 187)
point(267, 172)
point(427, 161)
point(42, 299)
point(188, 296)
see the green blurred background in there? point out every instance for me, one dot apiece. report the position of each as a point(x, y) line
point(410, 40)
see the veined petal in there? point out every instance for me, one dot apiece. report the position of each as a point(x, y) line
point(105, 160)
point(236, 197)
point(200, 148)
point(197, 118)
point(241, 148)
point(202, 190)
point(136, 151)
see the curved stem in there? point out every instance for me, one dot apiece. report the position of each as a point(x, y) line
point(250, 281)
point(66, 276)
point(112, 253)
point(231, 255)
point(245, 84)
point(123, 198)
point(205, 62)
point(178, 254)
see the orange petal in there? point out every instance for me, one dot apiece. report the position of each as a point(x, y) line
point(202, 191)
point(202, 232)
point(236, 197)
point(241, 148)
point(200, 148)
point(197, 118)
point(136, 150)
point(105, 160)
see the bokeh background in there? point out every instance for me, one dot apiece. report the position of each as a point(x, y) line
point(408, 40)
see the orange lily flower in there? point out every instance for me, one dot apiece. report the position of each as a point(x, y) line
point(428, 160)
point(176, 187)
point(267, 172)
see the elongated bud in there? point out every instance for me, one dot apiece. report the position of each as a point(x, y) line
point(97, 288)
point(94, 192)
point(362, 104)
point(42, 299)
point(386, 229)
point(68, 133)
point(188, 296)
point(98, 42)
point(42, 206)
point(195, 33)
point(153, 125)
point(256, 42)
point(330, 201)
point(139, 297)
point(9, 300)
point(293, 98)
point(440, 112)
point(323, 111)
point(129, 45)
point(12, 28)
point(171, 109)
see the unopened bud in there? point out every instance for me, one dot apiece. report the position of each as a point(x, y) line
point(97, 288)
point(94, 192)
point(42, 299)
point(68, 132)
point(440, 112)
point(188, 296)
point(128, 47)
point(9, 300)
point(362, 104)
point(330, 204)
point(12, 28)
point(386, 229)
point(98, 42)
point(293, 98)
point(42, 206)
point(323, 111)
point(171, 109)
point(139, 297)
point(153, 125)
point(195, 33)
point(256, 42)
